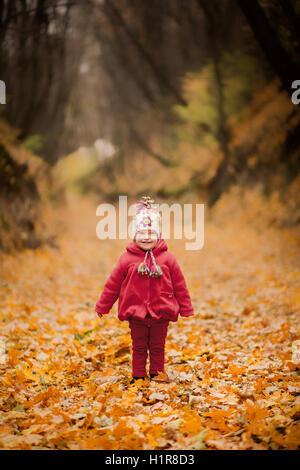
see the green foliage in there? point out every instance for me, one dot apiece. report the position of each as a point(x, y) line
point(33, 143)
point(239, 74)
point(199, 117)
point(79, 337)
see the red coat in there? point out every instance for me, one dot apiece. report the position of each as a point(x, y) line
point(163, 297)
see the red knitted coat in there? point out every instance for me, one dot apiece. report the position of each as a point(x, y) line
point(164, 297)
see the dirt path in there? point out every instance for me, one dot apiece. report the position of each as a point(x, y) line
point(64, 374)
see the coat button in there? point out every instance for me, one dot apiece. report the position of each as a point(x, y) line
point(170, 295)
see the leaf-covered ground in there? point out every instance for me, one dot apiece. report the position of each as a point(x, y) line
point(64, 373)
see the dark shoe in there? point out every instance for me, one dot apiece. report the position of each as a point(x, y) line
point(136, 378)
point(153, 375)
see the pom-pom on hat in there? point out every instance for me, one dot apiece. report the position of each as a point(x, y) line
point(147, 216)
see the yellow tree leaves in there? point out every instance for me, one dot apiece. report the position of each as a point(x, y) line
point(191, 426)
point(230, 380)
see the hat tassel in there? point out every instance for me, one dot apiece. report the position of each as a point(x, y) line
point(144, 269)
point(156, 270)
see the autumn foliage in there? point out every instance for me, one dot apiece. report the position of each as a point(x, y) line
point(231, 383)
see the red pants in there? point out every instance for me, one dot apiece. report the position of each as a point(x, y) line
point(148, 334)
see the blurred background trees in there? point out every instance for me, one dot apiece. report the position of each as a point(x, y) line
point(180, 98)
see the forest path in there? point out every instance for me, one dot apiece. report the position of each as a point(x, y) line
point(65, 373)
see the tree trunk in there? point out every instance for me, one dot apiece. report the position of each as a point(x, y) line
point(221, 179)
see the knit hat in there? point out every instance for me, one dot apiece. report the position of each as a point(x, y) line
point(148, 217)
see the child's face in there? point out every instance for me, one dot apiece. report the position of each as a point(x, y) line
point(146, 239)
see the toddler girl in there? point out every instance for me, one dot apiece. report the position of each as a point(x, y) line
point(151, 289)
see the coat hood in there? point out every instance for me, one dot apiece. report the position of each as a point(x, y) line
point(161, 246)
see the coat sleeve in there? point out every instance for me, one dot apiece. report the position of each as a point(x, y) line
point(181, 291)
point(111, 289)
